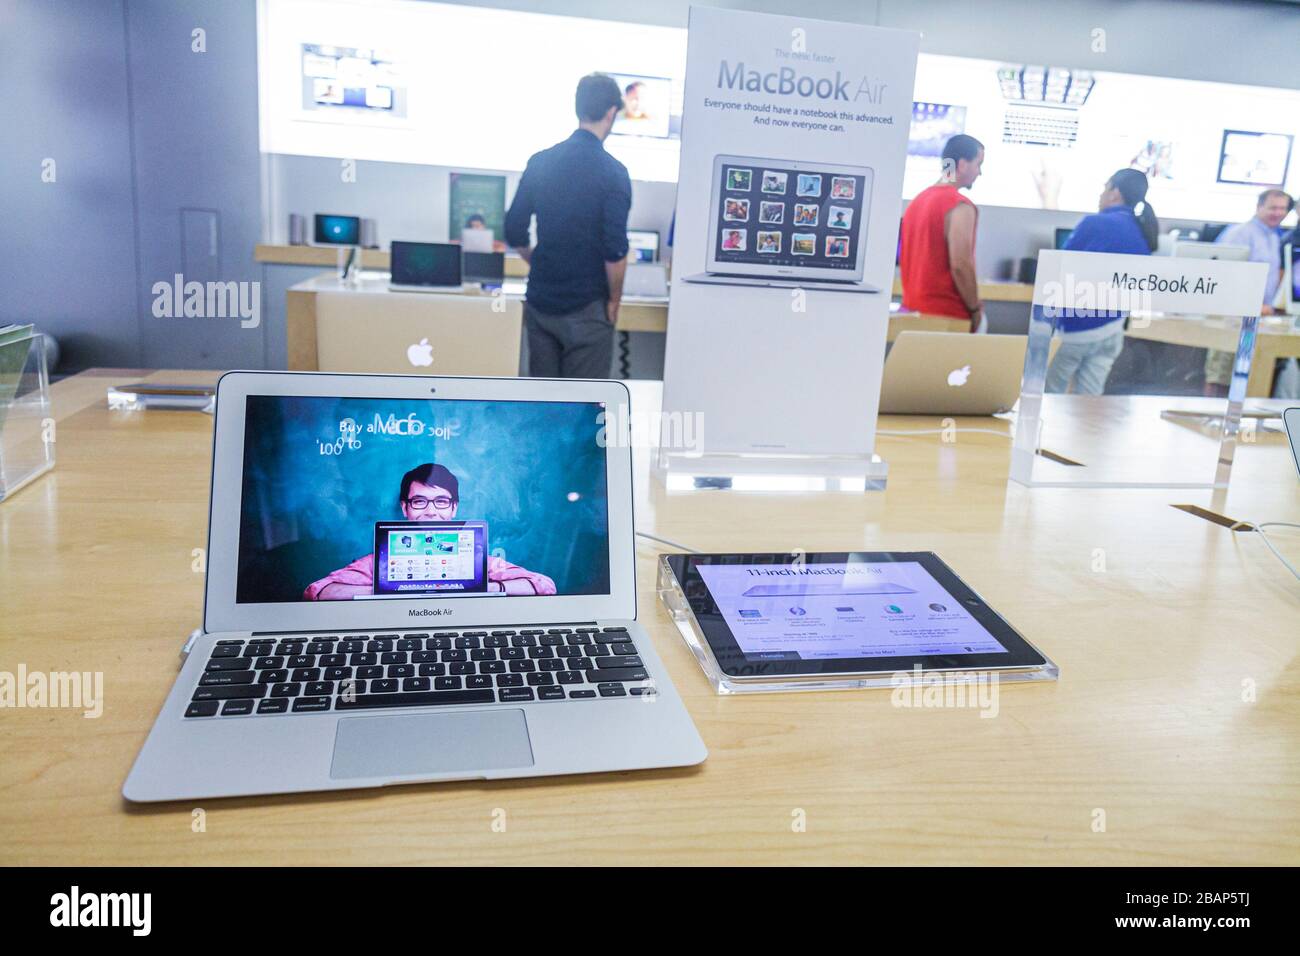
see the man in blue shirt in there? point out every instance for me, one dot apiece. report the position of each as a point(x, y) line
point(581, 196)
point(1261, 237)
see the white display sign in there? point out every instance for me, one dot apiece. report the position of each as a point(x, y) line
point(1106, 282)
point(788, 204)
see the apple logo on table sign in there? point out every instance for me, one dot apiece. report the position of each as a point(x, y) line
point(421, 353)
point(957, 377)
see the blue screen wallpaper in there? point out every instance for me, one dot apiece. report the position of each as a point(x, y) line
point(320, 472)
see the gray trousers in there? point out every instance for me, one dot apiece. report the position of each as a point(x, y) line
point(579, 344)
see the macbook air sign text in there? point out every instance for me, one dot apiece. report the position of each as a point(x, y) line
point(786, 81)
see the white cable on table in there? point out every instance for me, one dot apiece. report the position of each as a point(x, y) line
point(668, 541)
point(1259, 526)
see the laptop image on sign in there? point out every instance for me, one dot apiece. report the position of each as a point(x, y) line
point(952, 373)
point(425, 267)
point(312, 673)
point(782, 223)
point(429, 557)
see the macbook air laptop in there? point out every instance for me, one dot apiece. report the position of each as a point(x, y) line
point(487, 268)
point(425, 267)
point(787, 224)
point(645, 280)
point(952, 373)
point(477, 240)
point(389, 333)
point(643, 245)
point(301, 680)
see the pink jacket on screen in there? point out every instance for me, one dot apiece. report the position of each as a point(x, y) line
point(360, 573)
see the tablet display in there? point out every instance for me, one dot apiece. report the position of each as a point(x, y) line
point(428, 556)
point(836, 612)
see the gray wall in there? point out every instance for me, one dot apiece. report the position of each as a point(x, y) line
point(406, 201)
point(69, 264)
point(158, 171)
point(194, 130)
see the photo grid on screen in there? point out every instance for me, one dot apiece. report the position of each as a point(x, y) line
point(778, 216)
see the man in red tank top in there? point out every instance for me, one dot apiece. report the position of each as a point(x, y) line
point(937, 264)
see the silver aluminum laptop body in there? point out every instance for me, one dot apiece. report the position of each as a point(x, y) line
point(634, 720)
point(402, 287)
point(645, 280)
point(952, 373)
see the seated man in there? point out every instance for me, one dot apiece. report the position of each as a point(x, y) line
point(429, 493)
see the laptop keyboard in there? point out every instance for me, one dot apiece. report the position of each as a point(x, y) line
point(291, 674)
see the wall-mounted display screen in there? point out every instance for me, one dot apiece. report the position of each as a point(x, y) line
point(1255, 159)
point(647, 106)
point(485, 88)
point(933, 124)
point(473, 88)
point(350, 79)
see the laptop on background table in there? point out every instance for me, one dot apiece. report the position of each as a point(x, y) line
point(308, 676)
point(952, 373)
point(425, 267)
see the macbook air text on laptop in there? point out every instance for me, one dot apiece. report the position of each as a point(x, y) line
point(414, 579)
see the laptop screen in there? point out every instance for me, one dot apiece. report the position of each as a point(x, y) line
point(430, 557)
point(774, 216)
point(485, 266)
point(643, 245)
point(349, 499)
point(338, 230)
point(425, 263)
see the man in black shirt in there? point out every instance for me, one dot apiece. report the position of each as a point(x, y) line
point(580, 195)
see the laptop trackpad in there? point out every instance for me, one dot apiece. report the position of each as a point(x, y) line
point(420, 744)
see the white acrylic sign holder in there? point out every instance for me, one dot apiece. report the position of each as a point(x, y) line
point(781, 383)
point(1127, 442)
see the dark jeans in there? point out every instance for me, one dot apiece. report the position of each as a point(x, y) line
point(579, 344)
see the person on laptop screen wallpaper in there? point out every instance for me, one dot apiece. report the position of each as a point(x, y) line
point(523, 484)
point(429, 493)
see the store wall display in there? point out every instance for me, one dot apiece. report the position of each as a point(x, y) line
point(1048, 128)
point(1207, 148)
point(450, 85)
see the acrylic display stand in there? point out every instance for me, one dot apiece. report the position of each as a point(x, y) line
point(1127, 441)
point(26, 425)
